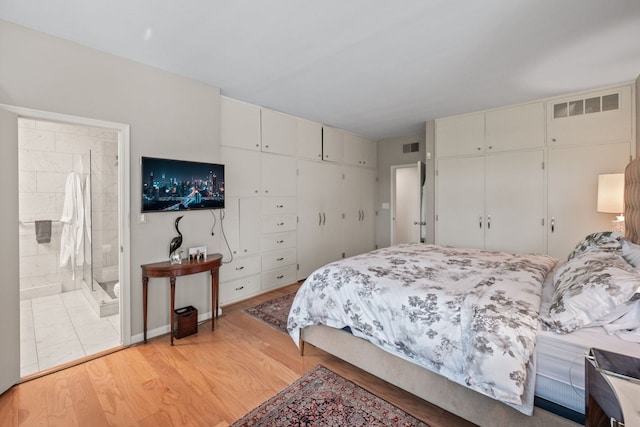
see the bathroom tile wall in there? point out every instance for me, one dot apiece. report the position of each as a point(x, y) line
point(48, 152)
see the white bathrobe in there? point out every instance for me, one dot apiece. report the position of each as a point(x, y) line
point(72, 220)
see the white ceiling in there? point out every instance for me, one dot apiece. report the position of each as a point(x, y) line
point(376, 67)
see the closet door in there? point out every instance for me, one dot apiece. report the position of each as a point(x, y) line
point(514, 197)
point(460, 219)
point(9, 292)
point(319, 215)
point(358, 201)
point(572, 192)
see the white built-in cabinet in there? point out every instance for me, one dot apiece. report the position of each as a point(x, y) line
point(490, 184)
point(359, 196)
point(332, 144)
point(290, 209)
point(309, 135)
point(479, 208)
point(524, 178)
point(359, 151)
point(320, 222)
point(572, 195)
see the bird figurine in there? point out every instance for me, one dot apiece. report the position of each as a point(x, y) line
point(176, 242)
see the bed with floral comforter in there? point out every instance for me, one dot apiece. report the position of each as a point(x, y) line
point(469, 315)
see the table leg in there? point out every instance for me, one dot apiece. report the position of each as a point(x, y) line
point(172, 279)
point(145, 285)
point(214, 297)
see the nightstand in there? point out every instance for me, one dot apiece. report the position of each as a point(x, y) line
point(612, 389)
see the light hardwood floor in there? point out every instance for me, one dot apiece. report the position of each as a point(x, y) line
point(207, 379)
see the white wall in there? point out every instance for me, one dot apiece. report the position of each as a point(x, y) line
point(390, 154)
point(169, 116)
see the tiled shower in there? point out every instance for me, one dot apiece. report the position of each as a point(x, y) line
point(49, 152)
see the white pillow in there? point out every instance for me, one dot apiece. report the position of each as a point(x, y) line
point(590, 290)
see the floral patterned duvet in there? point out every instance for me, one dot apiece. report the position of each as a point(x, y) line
point(469, 315)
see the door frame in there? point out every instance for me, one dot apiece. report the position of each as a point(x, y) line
point(124, 180)
point(419, 165)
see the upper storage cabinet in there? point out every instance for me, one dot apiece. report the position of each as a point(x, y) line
point(512, 128)
point(240, 124)
point(250, 127)
point(460, 135)
point(279, 132)
point(359, 151)
point(598, 117)
point(332, 144)
point(309, 140)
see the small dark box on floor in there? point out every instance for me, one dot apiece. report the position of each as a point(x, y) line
point(186, 322)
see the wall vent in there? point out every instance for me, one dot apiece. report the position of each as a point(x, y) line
point(581, 107)
point(411, 147)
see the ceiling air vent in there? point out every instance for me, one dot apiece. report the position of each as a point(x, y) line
point(412, 147)
point(580, 107)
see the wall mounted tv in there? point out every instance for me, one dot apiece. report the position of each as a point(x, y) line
point(178, 185)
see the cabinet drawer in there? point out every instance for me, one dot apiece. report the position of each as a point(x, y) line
point(239, 289)
point(278, 205)
point(278, 259)
point(280, 277)
point(278, 223)
point(276, 241)
point(240, 267)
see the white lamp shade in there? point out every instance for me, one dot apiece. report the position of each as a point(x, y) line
point(611, 193)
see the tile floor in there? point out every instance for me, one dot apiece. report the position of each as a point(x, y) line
point(61, 328)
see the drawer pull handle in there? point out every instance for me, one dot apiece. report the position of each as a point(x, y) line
point(240, 288)
point(279, 206)
point(280, 277)
point(240, 268)
point(280, 241)
point(280, 224)
point(280, 259)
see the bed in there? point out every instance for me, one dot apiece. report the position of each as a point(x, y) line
point(522, 330)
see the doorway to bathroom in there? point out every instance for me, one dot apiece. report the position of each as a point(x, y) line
point(70, 236)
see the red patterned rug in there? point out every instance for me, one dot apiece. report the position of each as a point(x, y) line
point(323, 398)
point(274, 312)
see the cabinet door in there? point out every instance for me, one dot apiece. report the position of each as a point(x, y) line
point(359, 151)
point(250, 226)
point(459, 136)
point(572, 192)
point(319, 220)
point(599, 117)
point(239, 124)
point(279, 132)
point(278, 175)
point(309, 138)
point(460, 217)
point(332, 145)
point(359, 198)
point(514, 200)
point(368, 197)
point(232, 223)
point(516, 127)
point(242, 171)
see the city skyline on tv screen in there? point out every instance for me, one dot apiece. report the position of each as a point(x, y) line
point(173, 185)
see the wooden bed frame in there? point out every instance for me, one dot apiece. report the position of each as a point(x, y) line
point(434, 388)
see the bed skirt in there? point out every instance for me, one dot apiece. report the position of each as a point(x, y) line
point(434, 388)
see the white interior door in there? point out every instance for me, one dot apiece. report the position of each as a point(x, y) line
point(406, 193)
point(9, 250)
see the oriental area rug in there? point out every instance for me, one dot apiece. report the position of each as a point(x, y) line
point(274, 312)
point(323, 398)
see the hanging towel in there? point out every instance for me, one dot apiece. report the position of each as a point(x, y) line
point(43, 231)
point(72, 220)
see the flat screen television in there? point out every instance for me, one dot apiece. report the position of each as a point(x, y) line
point(179, 185)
